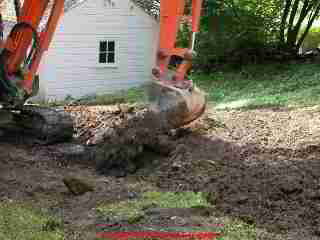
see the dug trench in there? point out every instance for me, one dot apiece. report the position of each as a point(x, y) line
point(260, 166)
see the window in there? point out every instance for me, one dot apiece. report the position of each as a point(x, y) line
point(107, 52)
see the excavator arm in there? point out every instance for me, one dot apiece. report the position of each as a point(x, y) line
point(171, 12)
point(24, 48)
point(19, 61)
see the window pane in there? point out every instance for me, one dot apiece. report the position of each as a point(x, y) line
point(111, 46)
point(111, 58)
point(103, 46)
point(102, 58)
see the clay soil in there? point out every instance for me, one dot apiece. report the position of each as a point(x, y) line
point(259, 165)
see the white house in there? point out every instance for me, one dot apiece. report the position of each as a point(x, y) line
point(100, 46)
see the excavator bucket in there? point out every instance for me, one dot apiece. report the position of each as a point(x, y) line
point(172, 95)
point(177, 107)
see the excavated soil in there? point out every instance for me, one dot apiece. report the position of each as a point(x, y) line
point(260, 165)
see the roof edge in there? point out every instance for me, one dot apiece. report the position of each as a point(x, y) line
point(154, 17)
point(75, 5)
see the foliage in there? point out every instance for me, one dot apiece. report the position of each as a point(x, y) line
point(245, 31)
point(294, 14)
point(236, 32)
point(183, 37)
point(312, 39)
point(263, 85)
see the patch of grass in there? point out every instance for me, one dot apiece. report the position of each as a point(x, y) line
point(132, 95)
point(237, 230)
point(263, 85)
point(232, 229)
point(130, 209)
point(22, 222)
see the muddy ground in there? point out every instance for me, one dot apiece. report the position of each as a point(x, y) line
point(259, 165)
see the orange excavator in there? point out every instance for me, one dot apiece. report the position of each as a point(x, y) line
point(21, 54)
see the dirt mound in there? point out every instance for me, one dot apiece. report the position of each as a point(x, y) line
point(93, 122)
point(269, 171)
point(117, 137)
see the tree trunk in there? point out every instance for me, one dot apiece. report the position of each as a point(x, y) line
point(284, 21)
point(312, 18)
point(292, 42)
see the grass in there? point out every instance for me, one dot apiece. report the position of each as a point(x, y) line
point(132, 95)
point(237, 230)
point(22, 222)
point(133, 209)
point(137, 95)
point(252, 87)
point(263, 85)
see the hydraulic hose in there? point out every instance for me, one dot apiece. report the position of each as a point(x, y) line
point(5, 82)
point(35, 46)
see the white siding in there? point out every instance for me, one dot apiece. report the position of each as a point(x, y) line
point(71, 67)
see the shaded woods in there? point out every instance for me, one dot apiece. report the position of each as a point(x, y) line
point(235, 32)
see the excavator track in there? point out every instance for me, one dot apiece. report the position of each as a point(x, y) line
point(47, 125)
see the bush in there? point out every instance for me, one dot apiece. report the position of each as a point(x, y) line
point(244, 32)
point(183, 37)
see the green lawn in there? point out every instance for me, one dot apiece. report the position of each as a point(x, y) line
point(133, 211)
point(22, 222)
point(134, 208)
point(132, 95)
point(263, 85)
point(253, 86)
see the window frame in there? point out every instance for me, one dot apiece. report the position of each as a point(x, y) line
point(115, 51)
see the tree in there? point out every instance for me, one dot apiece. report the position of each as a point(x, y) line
point(294, 13)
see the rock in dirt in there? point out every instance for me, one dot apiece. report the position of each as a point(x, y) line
point(77, 186)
